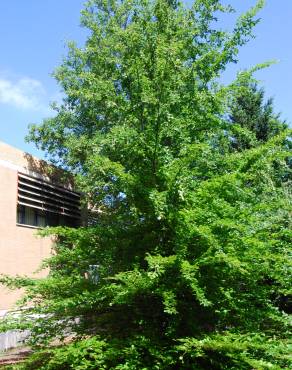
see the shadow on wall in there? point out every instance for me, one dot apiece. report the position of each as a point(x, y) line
point(52, 173)
point(57, 177)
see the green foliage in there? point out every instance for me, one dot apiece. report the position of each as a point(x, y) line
point(252, 121)
point(187, 263)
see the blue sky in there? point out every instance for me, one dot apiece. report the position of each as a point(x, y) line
point(33, 34)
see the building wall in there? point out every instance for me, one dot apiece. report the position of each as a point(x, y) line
point(21, 251)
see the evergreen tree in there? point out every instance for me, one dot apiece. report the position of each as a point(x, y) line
point(187, 262)
point(252, 119)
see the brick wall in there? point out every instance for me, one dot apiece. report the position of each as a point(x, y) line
point(21, 251)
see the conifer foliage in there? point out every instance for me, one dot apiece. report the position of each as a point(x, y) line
point(185, 264)
point(252, 119)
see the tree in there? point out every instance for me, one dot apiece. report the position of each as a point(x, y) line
point(252, 119)
point(187, 260)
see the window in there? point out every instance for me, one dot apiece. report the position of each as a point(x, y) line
point(40, 203)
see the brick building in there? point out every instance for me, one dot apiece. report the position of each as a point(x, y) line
point(32, 195)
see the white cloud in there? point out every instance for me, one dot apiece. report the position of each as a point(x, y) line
point(25, 93)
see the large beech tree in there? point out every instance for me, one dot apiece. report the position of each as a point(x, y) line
point(185, 262)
